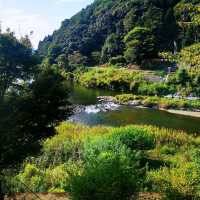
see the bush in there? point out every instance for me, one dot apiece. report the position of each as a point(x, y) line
point(31, 177)
point(134, 138)
point(125, 98)
point(111, 78)
point(166, 149)
point(119, 60)
point(60, 149)
point(113, 163)
point(150, 101)
point(107, 176)
point(159, 89)
point(181, 182)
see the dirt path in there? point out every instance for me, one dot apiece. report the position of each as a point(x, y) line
point(65, 196)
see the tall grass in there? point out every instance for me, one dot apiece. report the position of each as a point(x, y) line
point(160, 102)
point(113, 163)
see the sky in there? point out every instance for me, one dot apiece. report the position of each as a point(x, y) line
point(40, 16)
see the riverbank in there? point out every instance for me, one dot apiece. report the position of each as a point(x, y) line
point(113, 159)
point(171, 105)
point(138, 82)
point(184, 112)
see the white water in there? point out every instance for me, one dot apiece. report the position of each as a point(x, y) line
point(104, 107)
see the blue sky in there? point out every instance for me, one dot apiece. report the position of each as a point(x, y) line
point(40, 16)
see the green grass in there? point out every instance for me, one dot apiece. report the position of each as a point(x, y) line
point(82, 160)
point(160, 102)
point(140, 82)
point(109, 78)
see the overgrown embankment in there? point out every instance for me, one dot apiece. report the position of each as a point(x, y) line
point(114, 163)
point(141, 82)
point(158, 102)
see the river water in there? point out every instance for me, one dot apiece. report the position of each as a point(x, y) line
point(94, 112)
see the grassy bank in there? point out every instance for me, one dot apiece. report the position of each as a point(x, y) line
point(113, 163)
point(158, 102)
point(108, 78)
point(140, 82)
point(122, 79)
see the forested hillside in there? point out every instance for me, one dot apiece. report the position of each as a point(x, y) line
point(128, 63)
point(130, 31)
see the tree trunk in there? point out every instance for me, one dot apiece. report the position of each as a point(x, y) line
point(1, 185)
point(1, 190)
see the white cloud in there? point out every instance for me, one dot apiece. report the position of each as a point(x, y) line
point(22, 23)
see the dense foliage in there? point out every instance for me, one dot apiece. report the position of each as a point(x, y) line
point(99, 32)
point(113, 163)
point(184, 82)
point(158, 102)
point(33, 99)
point(16, 62)
point(102, 162)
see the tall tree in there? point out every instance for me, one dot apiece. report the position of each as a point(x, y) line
point(140, 45)
point(17, 62)
point(113, 46)
point(30, 109)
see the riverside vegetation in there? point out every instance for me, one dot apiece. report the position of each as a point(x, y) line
point(163, 103)
point(113, 163)
point(134, 42)
point(141, 82)
point(143, 87)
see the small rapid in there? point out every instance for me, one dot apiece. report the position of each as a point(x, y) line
point(97, 107)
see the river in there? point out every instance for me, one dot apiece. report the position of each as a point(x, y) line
point(97, 113)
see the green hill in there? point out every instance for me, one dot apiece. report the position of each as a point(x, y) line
point(97, 33)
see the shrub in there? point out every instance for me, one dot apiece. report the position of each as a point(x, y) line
point(190, 55)
point(134, 138)
point(111, 163)
point(179, 182)
point(119, 60)
point(57, 179)
point(125, 98)
point(111, 78)
point(60, 149)
point(150, 101)
point(159, 89)
point(168, 149)
point(107, 176)
point(31, 177)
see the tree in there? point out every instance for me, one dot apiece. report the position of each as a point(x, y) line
point(129, 20)
point(140, 45)
point(31, 113)
point(182, 77)
point(63, 62)
point(17, 62)
point(112, 47)
point(33, 101)
point(76, 59)
point(188, 17)
point(25, 40)
point(53, 52)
